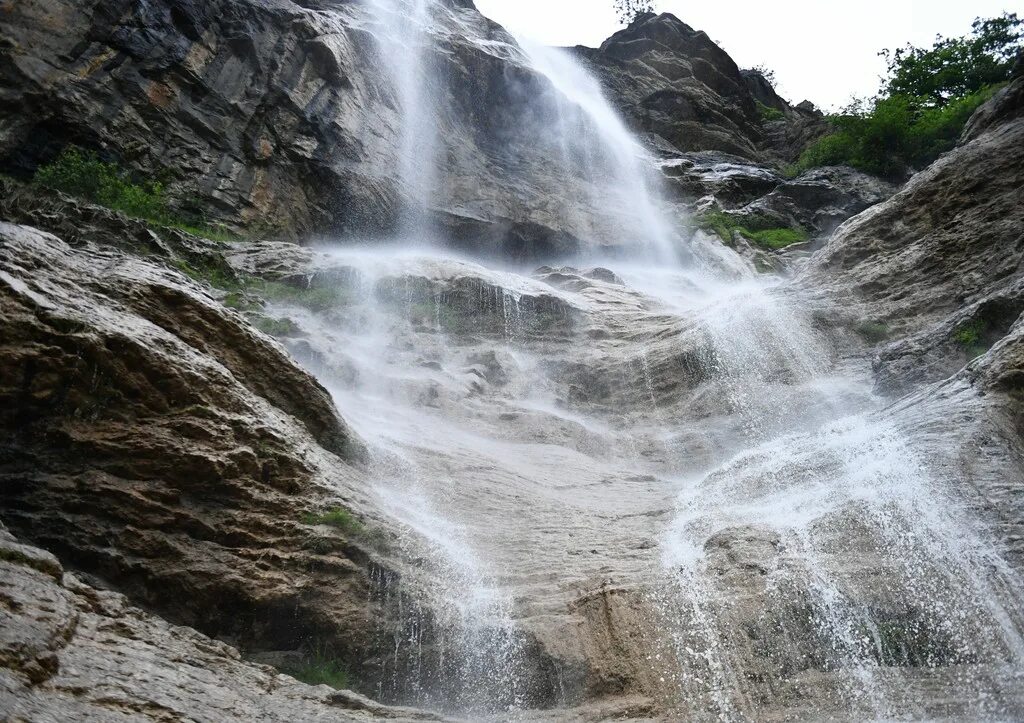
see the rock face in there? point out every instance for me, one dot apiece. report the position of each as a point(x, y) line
point(676, 82)
point(287, 118)
point(939, 262)
point(279, 116)
point(816, 201)
point(69, 651)
point(169, 449)
point(149, 446)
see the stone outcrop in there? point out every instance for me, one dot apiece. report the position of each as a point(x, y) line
point(278, 116)
point(70, 651)
point(675, 82)
point(936, 268)
point(285, 118)
point(164, 446)
point(816, 201)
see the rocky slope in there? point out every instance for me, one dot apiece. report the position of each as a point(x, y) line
point(166, 447)
point(675, 82)
point(938, 265)
point(283, 117)
point(69, 651)
point(161, 446)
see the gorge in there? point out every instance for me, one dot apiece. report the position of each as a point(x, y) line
point(458, 402)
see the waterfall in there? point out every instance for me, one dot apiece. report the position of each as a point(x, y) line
point(547, 437)
point(597, 146)
point(404, 36)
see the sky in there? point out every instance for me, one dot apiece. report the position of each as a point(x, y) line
point(821, 50)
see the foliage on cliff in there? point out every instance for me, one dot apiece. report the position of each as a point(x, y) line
point(83, 174)
point(630, 10)
point(924, 103)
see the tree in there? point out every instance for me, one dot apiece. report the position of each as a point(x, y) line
point(955, 67)
point(630, 10)
point(926, 99)
point(767, 73)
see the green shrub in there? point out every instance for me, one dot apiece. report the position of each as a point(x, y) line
point(924, 103)
point(768, 113)
point(895, 135)
point(83, 174)
point(955, 67)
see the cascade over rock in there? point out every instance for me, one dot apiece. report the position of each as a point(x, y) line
point(642, 481)
point(285, 118)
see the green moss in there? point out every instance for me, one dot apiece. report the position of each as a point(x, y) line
point(213, 233)
point(872, 331)
point(319, 670)
point(337, 517)
point(768, 113)
point(752, 229)
point(971, 338)
point(273, 327)
point(775, 238)
point(216, 276)
point(316, 298)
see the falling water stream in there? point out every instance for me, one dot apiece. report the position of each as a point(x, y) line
point(673, 424)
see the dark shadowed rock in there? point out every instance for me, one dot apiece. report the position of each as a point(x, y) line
point(159, 443)
point(70, 651)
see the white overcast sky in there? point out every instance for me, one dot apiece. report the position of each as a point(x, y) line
point(822, 50)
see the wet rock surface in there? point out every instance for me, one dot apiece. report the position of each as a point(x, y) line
point(559, 493)
point(936, 268)
point(162, 445)
point(70, 651)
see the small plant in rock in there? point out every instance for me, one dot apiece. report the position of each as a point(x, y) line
point(630, 10)
point(82, 173)
point(767, 73)
point(273, 327)
point(768, 113)
point(317, 298)
point(752, 229)
point(970, 337)
point(319, 669)
point(337, 517)
point(872, 331)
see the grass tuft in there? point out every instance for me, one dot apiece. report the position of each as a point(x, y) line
point(337, 517)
